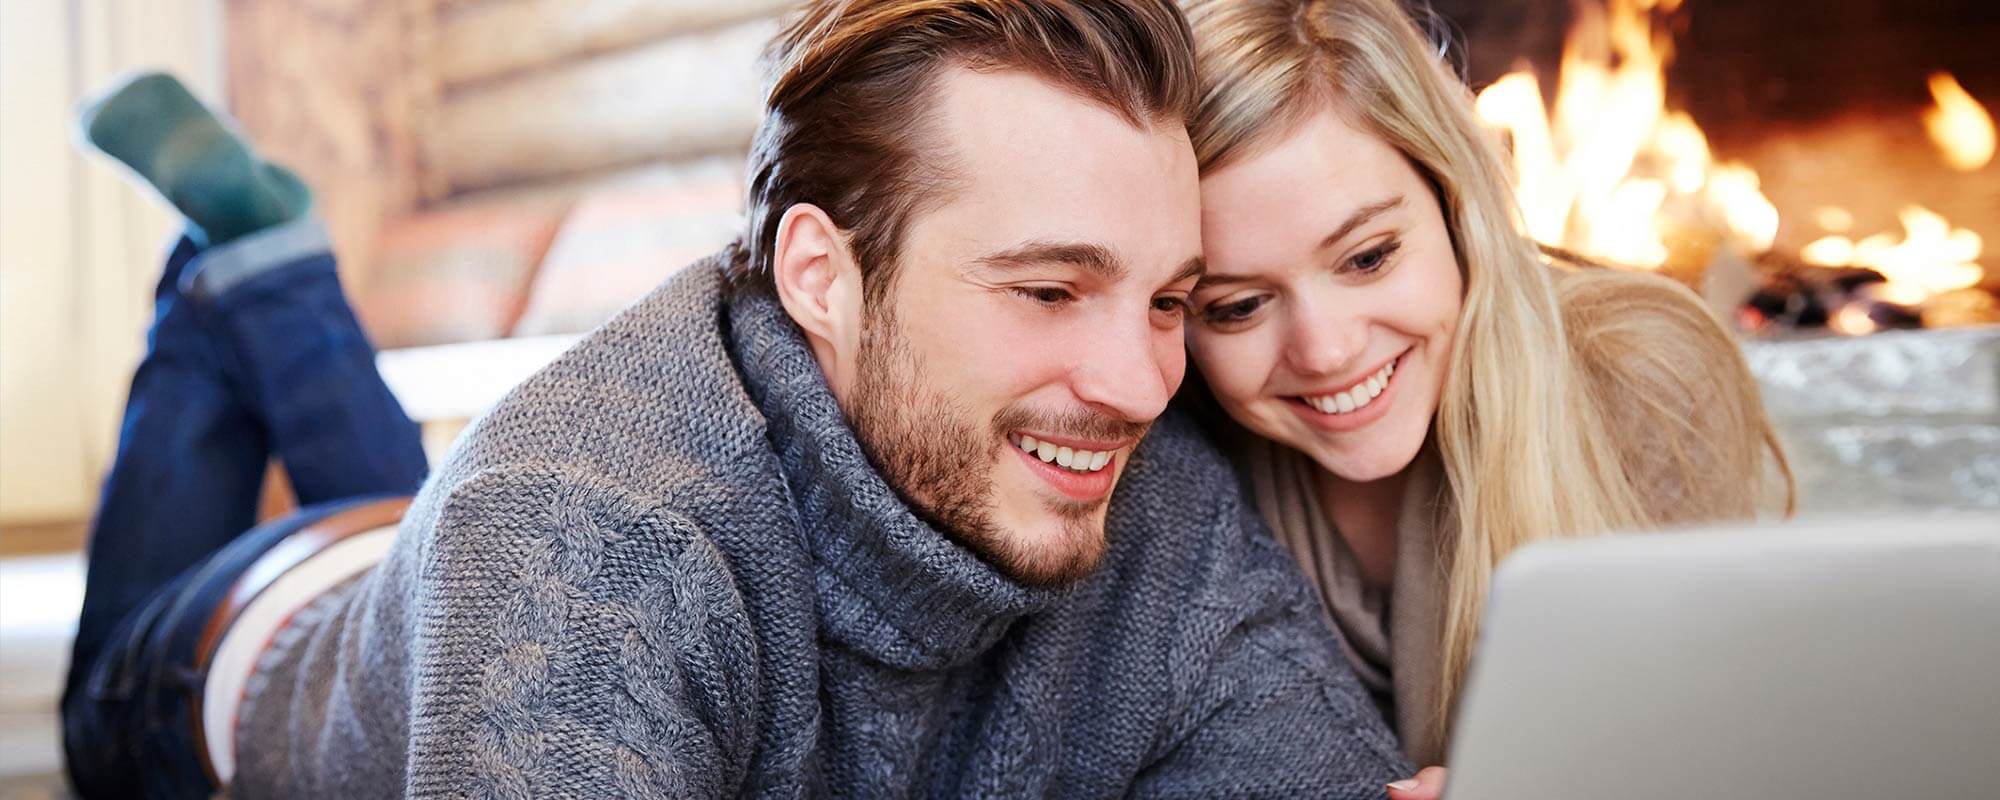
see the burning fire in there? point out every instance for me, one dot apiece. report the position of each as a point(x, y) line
point(1932, 258)
point(1611, 173)
point(1961, 128)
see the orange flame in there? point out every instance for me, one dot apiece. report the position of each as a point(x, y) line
point(1932, 257)
point(1610, 172)
point(1959, 126)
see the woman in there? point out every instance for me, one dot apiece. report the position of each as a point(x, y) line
point(1412, 389)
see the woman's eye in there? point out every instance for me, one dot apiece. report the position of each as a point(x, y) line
point(1237, 311)
point(1046, 295)
point(1374, 258)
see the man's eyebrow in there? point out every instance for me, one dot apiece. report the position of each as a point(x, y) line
point(1092, 258)
point(1360, 217)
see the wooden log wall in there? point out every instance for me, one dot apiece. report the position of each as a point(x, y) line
point(333, 89)
point(390, 108)
point(675, 98)
point(479, 42)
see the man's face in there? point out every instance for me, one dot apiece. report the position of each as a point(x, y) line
point(1033, 330)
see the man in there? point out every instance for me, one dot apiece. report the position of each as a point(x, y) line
point(833, 511)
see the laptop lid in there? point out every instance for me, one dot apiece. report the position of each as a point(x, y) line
point(1820, 659)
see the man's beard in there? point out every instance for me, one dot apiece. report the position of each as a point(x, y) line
point(942, 464)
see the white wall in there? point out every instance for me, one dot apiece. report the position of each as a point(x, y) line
point(79, 246)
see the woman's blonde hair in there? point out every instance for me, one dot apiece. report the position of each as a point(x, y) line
point(1555, 371)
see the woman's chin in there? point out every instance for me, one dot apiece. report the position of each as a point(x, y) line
point(1366, 462)
point(1377, 451)
point(1366, 473)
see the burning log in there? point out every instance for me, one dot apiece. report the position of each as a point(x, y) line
point(1793, 294)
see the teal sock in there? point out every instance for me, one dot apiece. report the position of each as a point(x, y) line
point(153, 125)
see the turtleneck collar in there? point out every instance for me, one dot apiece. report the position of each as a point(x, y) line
point(889, 584)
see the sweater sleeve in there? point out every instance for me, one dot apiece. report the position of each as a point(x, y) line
point(573, 640)
point(1276, 713)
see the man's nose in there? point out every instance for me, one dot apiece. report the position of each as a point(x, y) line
point(1130, 370)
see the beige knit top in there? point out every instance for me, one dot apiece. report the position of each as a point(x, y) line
point(1390, 636)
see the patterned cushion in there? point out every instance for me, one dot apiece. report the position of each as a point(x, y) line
point(456, 274)
point(625, 237)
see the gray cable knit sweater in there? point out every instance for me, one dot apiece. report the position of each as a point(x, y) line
point(662, 567)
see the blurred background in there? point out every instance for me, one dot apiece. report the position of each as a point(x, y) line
point(501, 175)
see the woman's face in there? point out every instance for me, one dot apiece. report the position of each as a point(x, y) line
point(1325, 322)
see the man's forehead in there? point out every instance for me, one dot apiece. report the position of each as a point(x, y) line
point(1040, 174)
point(1015, 112)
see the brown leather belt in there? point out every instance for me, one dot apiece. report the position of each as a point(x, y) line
point(287, 554)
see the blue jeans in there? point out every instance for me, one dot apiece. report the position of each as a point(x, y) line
point(274, 365)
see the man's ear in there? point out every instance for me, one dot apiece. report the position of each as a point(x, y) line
point(819, 284)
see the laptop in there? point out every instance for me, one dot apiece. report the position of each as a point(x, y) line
point(1821, 660)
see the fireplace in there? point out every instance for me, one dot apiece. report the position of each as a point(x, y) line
point(1813, 169)
point(1818, 171)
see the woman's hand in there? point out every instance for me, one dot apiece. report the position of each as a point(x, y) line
point(1428, 785)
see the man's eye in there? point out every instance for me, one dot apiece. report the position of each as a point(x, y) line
point(1176, 306)
point(1046, 295)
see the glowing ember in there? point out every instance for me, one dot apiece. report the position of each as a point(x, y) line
point(1961, 127)
point(1853, 320)
point(1832, 251)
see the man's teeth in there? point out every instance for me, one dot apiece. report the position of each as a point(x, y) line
point(1067, 458)
point(1355, 398)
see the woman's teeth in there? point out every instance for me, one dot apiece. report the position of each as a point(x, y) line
point(1067, 458)
point(1355, 398)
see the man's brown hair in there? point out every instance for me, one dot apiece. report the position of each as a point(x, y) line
point(846, 121)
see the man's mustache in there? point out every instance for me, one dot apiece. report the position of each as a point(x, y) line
point(1074, 424)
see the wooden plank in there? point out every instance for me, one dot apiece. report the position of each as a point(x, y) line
point(424, 89)
point(39, 538)
point(566, 190)
point(674, 99)
point(484, 41)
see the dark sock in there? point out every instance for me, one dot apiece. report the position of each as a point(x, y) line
point(153, 125)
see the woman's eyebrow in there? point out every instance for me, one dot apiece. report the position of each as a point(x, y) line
point(1360, 217)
